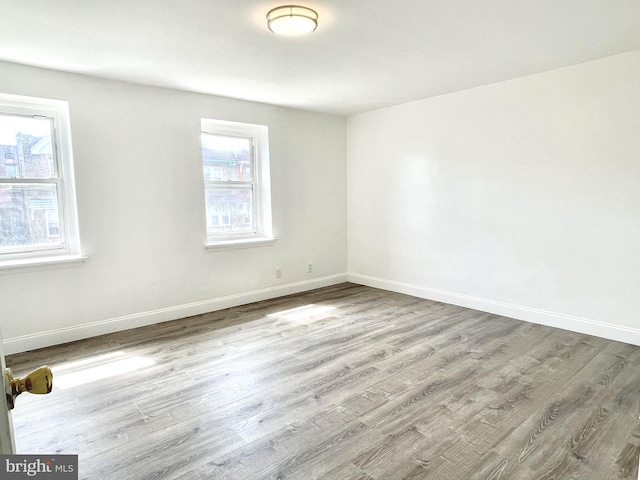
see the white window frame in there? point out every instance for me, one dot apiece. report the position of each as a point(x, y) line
point(263, 234)
point(69, 248)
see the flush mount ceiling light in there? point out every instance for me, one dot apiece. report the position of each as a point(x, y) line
point(292, 20)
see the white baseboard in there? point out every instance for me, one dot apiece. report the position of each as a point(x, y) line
point(533, 315)
point(78, 332)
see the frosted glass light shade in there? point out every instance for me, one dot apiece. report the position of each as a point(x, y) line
point(292, 20)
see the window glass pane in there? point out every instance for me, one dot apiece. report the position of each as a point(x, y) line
point(29, 215)
point(229, 210)
point(25, 147)
point(227, 158)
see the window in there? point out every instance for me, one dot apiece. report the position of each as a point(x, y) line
point(212, 173)
point(37, 198)
point(235, 159)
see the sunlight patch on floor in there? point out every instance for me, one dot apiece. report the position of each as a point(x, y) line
point(304, 312)
point(99, 367)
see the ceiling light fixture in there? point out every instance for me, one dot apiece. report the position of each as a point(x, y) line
point(292, 20)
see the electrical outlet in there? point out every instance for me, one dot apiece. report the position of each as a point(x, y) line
point(310, 268)
point(278, 272)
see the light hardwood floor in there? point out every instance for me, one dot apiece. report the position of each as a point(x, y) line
point(346, 382)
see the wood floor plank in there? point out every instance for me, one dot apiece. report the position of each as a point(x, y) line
point(345, 382)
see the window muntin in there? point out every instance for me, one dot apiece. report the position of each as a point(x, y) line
point(37, 198)
point(236, 181)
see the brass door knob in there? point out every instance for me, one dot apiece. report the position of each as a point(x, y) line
point(39, 381)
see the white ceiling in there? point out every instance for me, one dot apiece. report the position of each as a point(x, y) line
point(366, 54)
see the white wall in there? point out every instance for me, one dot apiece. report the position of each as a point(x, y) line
point(141, 211)
point(520, 198)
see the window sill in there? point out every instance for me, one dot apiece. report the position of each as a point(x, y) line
point(42, 262)
point(240, 243)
